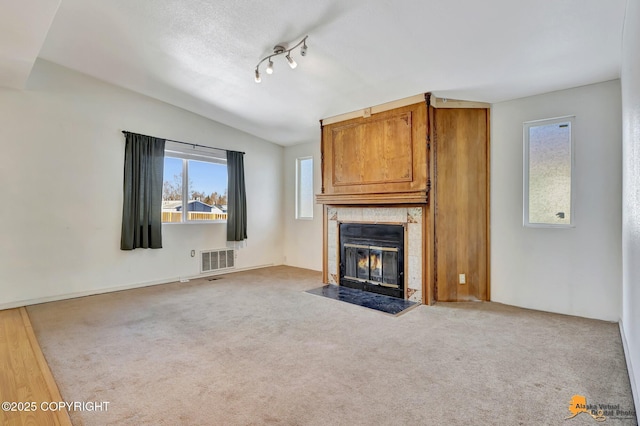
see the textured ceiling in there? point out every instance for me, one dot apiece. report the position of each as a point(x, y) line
point(200, 55)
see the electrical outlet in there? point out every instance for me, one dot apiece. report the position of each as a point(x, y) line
point(462, 279)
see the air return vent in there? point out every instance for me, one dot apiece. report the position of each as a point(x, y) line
point(216, 260)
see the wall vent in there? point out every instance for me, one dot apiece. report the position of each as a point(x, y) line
point(216, 260)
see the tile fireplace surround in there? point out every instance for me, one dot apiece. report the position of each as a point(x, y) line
point(410, 217)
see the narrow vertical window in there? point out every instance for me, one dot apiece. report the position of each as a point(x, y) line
point(548, 173)
point(304, 188)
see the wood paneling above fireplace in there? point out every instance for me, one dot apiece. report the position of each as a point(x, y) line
point(381, 159)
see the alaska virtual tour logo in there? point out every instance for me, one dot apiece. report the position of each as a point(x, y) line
point(599, 412)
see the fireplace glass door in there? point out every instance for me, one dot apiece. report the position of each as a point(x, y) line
point(371, 258)
point(375, 264)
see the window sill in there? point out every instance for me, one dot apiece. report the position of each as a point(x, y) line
point(549, 225)
point(195, 222)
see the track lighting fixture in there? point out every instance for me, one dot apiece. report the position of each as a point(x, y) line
point(281, 49)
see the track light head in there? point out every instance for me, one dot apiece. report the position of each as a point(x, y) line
point(303, 49)
point(292, 63)
point(258, 78)
point(270, 67)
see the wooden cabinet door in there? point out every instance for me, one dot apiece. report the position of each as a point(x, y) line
point(381, 154)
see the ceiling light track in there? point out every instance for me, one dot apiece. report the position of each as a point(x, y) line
point(281, 49)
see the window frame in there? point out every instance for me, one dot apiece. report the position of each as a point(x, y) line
point(191, 152)
point(298, 197)
point(526, 126)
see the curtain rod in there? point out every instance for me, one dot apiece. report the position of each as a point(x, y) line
point(184, 143)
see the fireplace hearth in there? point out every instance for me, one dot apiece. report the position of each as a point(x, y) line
point(372, 258)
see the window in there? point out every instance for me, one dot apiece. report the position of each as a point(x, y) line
point(304, 188)
point(194, 184)
point(548, 173)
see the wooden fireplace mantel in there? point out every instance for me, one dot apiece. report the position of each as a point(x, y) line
point(416, 197)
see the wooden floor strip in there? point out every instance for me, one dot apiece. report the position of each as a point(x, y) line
point(25, 379)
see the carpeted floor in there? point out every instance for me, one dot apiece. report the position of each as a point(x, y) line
point(254, 348)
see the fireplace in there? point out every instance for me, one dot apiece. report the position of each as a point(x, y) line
point(372, 258)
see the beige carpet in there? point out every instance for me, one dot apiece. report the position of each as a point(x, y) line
point(253, 348)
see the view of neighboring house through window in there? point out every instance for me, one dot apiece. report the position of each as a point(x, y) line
point(194, 184)
point(548, 168)
point(304, 188)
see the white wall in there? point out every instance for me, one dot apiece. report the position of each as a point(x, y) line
point(303, 238)
point(61, 170)
point(571, 271)
point(630, 77)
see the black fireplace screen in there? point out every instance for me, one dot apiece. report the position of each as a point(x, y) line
point(371, 257)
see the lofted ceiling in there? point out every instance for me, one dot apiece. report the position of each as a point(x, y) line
point(200, 55)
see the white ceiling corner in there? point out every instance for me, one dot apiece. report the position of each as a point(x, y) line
point(24, 26)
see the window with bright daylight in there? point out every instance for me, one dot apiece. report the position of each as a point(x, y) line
point(548, 169)
point(194, 184)
point(304, 188)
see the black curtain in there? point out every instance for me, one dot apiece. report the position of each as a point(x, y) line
point(142, 209)
point(237, 198)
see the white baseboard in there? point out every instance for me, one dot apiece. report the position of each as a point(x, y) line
point(627, 357)
point(94, 292)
